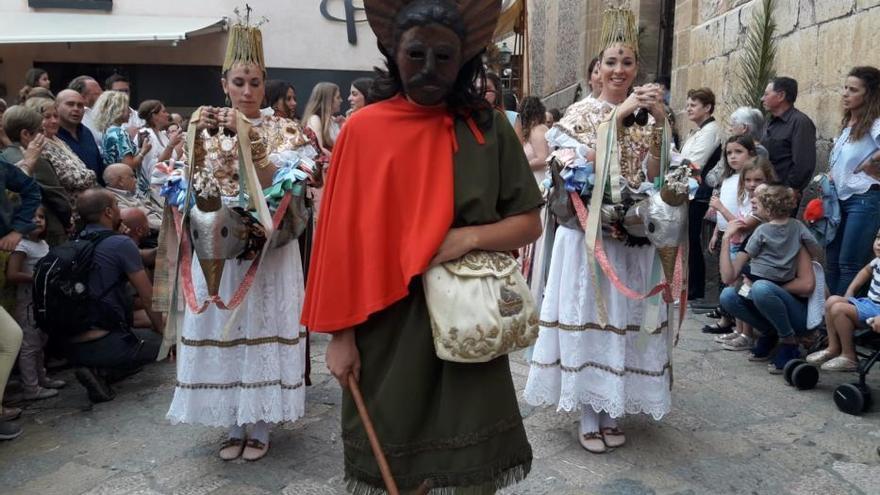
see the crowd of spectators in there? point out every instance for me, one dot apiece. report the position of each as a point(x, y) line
point(777, 262)
point(87, 165)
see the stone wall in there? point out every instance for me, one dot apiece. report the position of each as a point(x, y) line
point(818, 42)
point(564, 37)
point(558, 37)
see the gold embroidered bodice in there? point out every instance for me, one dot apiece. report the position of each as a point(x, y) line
point(581, 121)
point(275, 134)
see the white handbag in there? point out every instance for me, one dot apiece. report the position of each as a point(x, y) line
point(480, 307)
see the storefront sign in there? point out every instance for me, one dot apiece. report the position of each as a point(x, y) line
point(351, 17)
point(72, 4)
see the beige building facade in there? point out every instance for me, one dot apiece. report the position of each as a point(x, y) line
point(305, 41)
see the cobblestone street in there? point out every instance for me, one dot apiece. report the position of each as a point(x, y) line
point(734, 429)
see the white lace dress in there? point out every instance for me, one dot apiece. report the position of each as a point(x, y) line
point(577, 361)
point(256, 371)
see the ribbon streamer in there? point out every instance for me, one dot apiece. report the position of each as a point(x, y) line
point(250, 275)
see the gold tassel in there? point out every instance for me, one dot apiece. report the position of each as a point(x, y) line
point(245, 46)
point(619, 26)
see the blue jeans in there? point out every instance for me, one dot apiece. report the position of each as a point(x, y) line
point(851, 249)
point(769, 308)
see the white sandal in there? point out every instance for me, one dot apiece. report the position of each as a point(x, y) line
point(820, 357)
point(592, 442)
point(841, 363)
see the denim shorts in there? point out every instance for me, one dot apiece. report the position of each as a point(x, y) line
point(734, 249)
point(865, 307)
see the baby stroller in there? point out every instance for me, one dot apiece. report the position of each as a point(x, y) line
point(855, 398)
point(798, 372)
point(851, 398)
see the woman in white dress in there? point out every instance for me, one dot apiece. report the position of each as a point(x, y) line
point(165, 144)
point(531, 113)
point(250, 374)
point(603, 365)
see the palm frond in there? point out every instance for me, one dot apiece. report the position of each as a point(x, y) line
point(756, 63)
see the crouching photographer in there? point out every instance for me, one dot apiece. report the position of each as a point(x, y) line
point(96, 319)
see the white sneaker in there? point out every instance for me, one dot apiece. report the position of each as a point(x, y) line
point(726, 337)
point(740, 343)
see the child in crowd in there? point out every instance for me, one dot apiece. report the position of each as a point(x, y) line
point(753, 175)
point(772, 249)
point(732, 197)
point(29, 250)
point(726, 202)
point(774, 245)
point(845, 314)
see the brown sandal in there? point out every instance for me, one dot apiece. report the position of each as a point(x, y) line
point(592, 442)
point(254, 450)
point(231, 449)
point(613, 437)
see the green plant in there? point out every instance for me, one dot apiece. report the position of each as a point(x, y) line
point(755, 69)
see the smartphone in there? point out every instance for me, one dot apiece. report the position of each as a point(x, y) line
point(142, 136)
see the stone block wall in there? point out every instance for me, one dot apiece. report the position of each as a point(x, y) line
point(818, 42)
point(564, 37)
point(559, 34)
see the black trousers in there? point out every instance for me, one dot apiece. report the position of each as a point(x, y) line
point(120, 350)
point(696, 263)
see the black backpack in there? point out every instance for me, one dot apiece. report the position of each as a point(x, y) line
point(61, 286)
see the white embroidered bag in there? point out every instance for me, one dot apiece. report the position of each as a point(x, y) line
point(480, 307)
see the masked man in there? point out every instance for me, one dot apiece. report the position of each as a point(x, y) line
point(425, 175)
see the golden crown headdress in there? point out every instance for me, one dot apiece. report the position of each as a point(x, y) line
point(619, 26)
point(245, 44)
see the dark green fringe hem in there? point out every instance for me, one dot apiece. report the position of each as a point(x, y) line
point(468, 484)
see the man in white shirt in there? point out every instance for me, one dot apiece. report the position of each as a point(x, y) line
point(118, 82)
point(90, 90)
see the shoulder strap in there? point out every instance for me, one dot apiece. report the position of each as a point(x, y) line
point(97, 238)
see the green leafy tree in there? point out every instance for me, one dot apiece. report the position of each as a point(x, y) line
point(755, 69)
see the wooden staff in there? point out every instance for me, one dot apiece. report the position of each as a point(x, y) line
point(390, 485)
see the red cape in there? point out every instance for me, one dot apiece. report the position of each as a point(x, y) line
point(387, 207)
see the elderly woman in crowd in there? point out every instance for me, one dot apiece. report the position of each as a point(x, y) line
point(73, 175)
point(111, 111)
point(749, 121)
point(24, 125)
